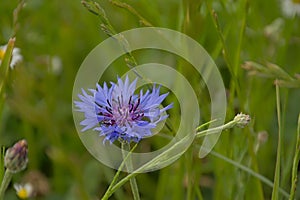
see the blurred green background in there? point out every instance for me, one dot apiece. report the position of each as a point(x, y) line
point(55, 37)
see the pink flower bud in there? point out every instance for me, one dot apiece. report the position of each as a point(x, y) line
point(16, 158)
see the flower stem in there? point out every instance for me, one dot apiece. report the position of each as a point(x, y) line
point(162, 157)
point(216, 129)
point(148, 165)
point(109, 191)
point(6, 180)
point(240, 120)
point(133, 183)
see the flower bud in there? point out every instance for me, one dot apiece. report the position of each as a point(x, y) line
point(262, 137)
point(15, 158)
point(242, 120)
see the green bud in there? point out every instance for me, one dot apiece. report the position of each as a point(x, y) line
point(242, 120)
point(15, 158)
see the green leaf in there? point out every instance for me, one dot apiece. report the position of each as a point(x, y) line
point(5, 65)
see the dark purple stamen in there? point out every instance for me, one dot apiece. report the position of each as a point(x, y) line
point(98, 104)
point(109, 110)
point(108, 102)
point(136, 105)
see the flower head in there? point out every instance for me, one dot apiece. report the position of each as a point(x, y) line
point(290, 8)
point(24, 191)
point(16, 56)
point(15, 158)
point(119, 114)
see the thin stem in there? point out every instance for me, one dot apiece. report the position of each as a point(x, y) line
point(234, 163)
point(149, 164)
point(128, 163)
point(2, 152)
point(131, 10)
point(216, 129)
point(6, 180)
point(234, 83)
point(240, 38)
point(198, 192)
point(16, 16)
point(109, 191)
point(240, 166)
point(248, 170)
point(161, 156)
point(205, 124)
point(225, 49)
point(295, 164)
point(277, 168)
point(107, 28)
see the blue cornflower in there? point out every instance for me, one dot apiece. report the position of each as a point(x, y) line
point(119, 114)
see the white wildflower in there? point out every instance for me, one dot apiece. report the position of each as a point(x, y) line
point(290, 8)
point(24, 191)
point(15, 58)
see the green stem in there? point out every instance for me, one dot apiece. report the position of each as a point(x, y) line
point(151, 163)
point(131, 10)
point(277, 167)
point(216, 129)
point(234, 82)
point(238, 165)
point(107, 28)
point(158, 158)
point(109, 191)
point(248, 170)
point(16, 16)
point(205, 124)
point(198, 192)
point(295, 163)
point(199, 134)
point(133, 183)
point(2, 153)
point(6, 180)
point(226, 56)
point(236, 64)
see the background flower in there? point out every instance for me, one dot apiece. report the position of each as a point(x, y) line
point(24, 191)
point(290, 8)
point(16, 56)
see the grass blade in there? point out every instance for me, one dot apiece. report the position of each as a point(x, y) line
point(275, 191)
point(5, 63)
point(295, 163)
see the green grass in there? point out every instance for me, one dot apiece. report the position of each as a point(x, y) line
point(38, 101)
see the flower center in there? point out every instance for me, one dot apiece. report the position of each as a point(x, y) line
point(1, 54)
point(125, 113)
point(22, 193)
point(296, 1)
